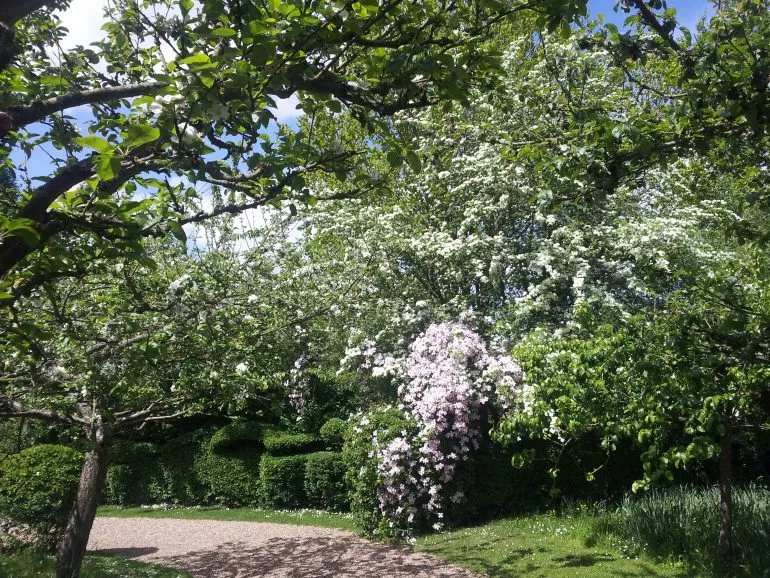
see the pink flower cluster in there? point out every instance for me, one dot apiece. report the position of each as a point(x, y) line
point(450, 377)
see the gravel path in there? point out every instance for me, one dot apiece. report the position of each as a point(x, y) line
point(216, 549)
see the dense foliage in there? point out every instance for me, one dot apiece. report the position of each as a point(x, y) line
point(37, 488)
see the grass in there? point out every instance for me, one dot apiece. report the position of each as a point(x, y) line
point(543, 546)
point(300, 517)
point(683, 522)
point(34, 564)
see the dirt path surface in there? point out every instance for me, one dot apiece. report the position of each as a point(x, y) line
point(215, 549)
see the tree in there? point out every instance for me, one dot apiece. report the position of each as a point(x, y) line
point(175, 86)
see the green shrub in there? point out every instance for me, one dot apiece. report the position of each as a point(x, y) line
point(205, 466)
point(684, 522)
point(287, 444)
point(333, 433)
point(282, 481)
point(236, 434)
point(172, 474)
point(38, 487)
point(325, 481)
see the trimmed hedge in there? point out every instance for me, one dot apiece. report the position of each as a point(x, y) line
point(282, 481)
point(333, 433)
point(231, 478)
point(288, 444)
point(205, 466)
point(325, 481)
point(38, 487)
point(235, 435)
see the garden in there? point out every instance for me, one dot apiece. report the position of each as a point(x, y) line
point(484, 281)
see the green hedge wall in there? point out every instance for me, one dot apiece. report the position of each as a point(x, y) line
point(282, 481)
point(325, 483)
point(286, 444)
point(38, 486)
point(231, 478)
point(237, 435)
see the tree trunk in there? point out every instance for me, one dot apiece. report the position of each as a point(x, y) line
point(73, 545)
point(725, 546)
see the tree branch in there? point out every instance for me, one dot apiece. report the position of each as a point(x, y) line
point(38, 110)
point(14, 10)
point(16, 409)
point(652, 21)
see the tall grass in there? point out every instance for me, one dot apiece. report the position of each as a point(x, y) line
point(683, 523)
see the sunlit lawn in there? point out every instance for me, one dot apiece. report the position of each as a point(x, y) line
point(541, 546)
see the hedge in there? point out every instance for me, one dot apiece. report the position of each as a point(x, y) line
point(333, 433)
point(231, 478)
point(205, 466)
point(287, 444)
point(38, 487)
point(282, 481)
point(325, 483)
point(236, 435)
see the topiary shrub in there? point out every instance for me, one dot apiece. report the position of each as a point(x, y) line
point(231, 477)
point(133, 472)
point(325, 481)
point(237, 434)
point(288, 444)
point(333, 433)
point(38, 487)
point(282, 481)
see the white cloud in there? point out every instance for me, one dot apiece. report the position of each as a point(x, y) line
point(84, 20)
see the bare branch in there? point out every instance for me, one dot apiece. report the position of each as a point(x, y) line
point(15, 409)
point(38, 110)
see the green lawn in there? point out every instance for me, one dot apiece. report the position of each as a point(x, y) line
point(299, 517)
point(541, 546)
point(33, 564)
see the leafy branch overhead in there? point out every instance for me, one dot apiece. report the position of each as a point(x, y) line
point(198, 81)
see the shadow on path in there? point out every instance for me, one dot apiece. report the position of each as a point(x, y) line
point(307, 557)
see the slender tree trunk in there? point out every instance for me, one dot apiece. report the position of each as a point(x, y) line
point(72, 547)
point(725, 546)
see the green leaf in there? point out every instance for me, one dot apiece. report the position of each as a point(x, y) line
point(26, 234)
point(94, 142)
point(177, 230)
point(413, 161)
point(198, 58)
point(4, 295)
point(395, 160)
point(223, 32)
point(139, 134)
point(107, 166)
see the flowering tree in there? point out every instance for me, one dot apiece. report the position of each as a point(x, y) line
point(182, 90)
point(135, 343)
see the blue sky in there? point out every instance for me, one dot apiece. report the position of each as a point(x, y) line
point(688, 11)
